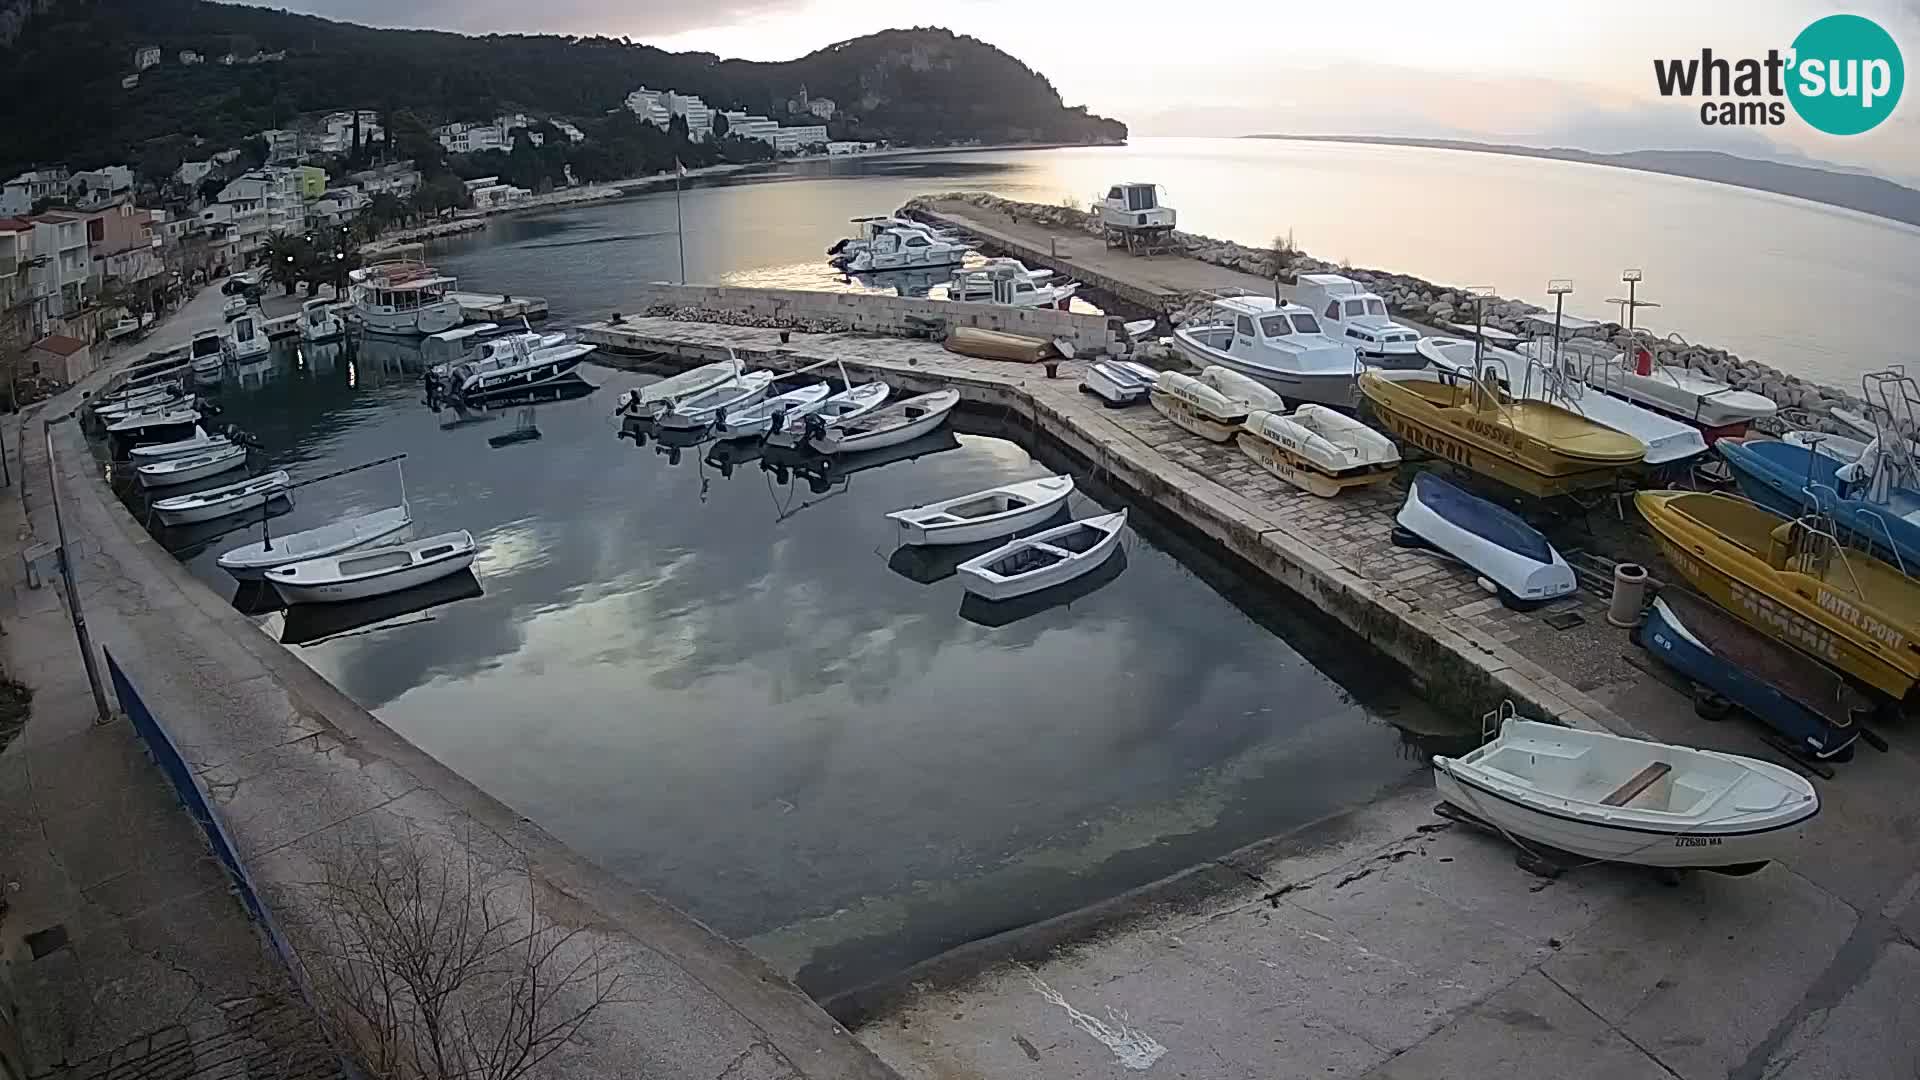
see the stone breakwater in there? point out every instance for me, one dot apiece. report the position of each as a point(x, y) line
point(798, 324)
point(1422, 301)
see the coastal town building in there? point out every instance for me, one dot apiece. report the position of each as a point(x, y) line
point(63, 264)
point(793, 140)
point(96, 188)
point(22, 311)
point(19, 194)
point(698, 114)
point(189, 58)
point(572, 133)
point(651, 106)
point(146, 56)
point(59, 356)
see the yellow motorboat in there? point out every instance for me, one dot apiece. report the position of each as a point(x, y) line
point(1795, 582)
point(1531, 446)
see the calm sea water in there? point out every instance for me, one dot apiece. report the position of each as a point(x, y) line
point(726, 684)
point(1806, 288)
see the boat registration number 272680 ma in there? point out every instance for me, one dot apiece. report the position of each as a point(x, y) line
point(1696, 841)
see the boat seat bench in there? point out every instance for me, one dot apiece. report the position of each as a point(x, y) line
point(1640, 782)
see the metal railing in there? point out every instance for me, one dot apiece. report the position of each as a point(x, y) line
point(102, 711)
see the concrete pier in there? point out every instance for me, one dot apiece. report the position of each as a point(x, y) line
point(497, 308)
point(1427, 613)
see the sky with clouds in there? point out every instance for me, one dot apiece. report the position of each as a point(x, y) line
point(1578, 73)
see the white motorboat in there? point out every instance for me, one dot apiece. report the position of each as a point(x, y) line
point(199, 442)
point(448, 347)
point(1133, 208)
point(357, 575)
point(163, 425)
point(404, 298)
point(1608, 797)
point(1861, 425)
point(186, 468)
point(207, 352)
point(1667, 439)
point(1318, 449)
point(890, 425)
point(1213, 404)
point(233, 308)
point(514, 366)
point(250, 562)
point(1678, 392)
point(758, 418)
point(871, 226)
point(844, 407)
point(1281, 345)
point(643, 400)
point(1491, 540)
point(905, 247)
point(248, 494)
point(1352, 314)
point(1045, 559)
point(1010, 283)
point(319, 321)
point(481, 344)
point(697, 411)
point(1838, 447)
point(984, 515)
point(244, 341)
point(1119, 382)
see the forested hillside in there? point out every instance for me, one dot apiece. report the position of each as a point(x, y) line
point(61, 97)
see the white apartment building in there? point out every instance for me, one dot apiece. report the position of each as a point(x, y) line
point(572, 133)
point(849, 147)
point(698, 113)
point(62, 280)
point(282, 144)
point(748, 126)
point(190, 173)
point(19, 194)
point(650, 105)
point(95, 188)
point(821, 107)
point(336, 136)
point(146, 56)
point(796, 139)
point(258, 204)
point(470, 138)
point(337, 206)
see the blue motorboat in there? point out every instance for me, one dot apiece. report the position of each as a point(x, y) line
point(1793, 480)
point(1808, 703)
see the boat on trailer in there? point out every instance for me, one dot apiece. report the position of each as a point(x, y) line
point(901, 422)
point(1491, 540)
point(1318, 449)
point(984, 515)
point(1212, 404)
point(1045, 559)
point(1119, 382)
point(1611, 798)
point(359, 575)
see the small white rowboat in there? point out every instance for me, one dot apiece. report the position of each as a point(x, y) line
point(197, 443)
point(700, 410)
point(376, 572)
point(249, 494)
point(984, 515)
point(1045, 559)
point(757, 418)
point(844, 407)
point(1607, 797)
point(641, 400)
point(900, 422)
point(250, 562)
point(186, 468)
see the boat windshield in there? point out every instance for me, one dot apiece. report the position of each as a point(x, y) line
point(1305, 324)
point(1275, 326)
point(1376, 307)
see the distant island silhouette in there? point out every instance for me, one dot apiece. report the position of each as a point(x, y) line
point(1851, 191)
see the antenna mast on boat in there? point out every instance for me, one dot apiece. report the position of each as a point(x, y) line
point(1558, 288)
point(1631, 302)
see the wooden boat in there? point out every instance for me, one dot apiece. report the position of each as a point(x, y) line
point(186, 468)
point(1051, 557)
point(167, 425)
point(1607, 797)
point(1531, 446)
point(1792, 581)
point(362, 574)
point(698, 411)
point(1119, 382)
point(643, 399)
point(1491, 540)
point(998, 345)
point(758, 418)
point(250, 562)
point(1808, 703)
point(984, 515)
point(903, 421)
point(197, 443)
point(1319, 450)
point(249, 494)
point(1213, 404)
point(844, 407)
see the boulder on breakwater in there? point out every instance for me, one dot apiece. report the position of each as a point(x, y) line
point(1423, 301)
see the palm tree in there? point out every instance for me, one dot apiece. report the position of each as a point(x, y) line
point(289, 261)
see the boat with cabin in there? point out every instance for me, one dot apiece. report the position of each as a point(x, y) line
point(1795, 582)
point(320, 321)
point(245, 342)
point(905, 247)
point(1212, 404)
point(1350, 312)
point(1010, 283)
point(406, 298)
point(867, 228)
point(512, 364)
point(1531, 446)
point(1133, 215)
point(1610, 798)
point(207, 353)
point(1318, 450)
point(1281, 345)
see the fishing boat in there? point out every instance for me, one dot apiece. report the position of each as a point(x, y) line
point(1687, 395)
point(1491, 540)
point(1808, 703)
point(250, 562)
point(759, 418)
point(984, 515)
point(643, 400)
point(698, 411)
point(1045, 559)
point(249, 494)
point(515, 366)
point(357, 575)
point(1608, 797)
point(1318, 450)
point(1525, 376)
point(206, 353)
point(1792, 480)
point(186, 468)
point(889, 425)
point(319, 322)
point(244, 341)
point(1358, 316)
point(1119, 382)
point(1281, 345)
point(1213, 404)
point(844, 407)
point(198, 442)
point(404, 298)
point(1795, 582)
point(157, 425)
point(1531, 446)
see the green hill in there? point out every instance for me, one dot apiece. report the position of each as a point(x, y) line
point(62, 62)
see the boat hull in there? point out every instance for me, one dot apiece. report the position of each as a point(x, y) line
point(1118, 382)
point(837, 441)
point(252, 561)
point(366, 588)
point(539, 374)
point(979, 580)
point(163, 478)
point(1335, 389)
point(1302, 474)
point(436, 318)
point(1051, 498)
point(1208, 425)
point(1490, 540)
point(1786, 479)
point(226, 508)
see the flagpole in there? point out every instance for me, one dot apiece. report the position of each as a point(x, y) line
point(679, 222)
